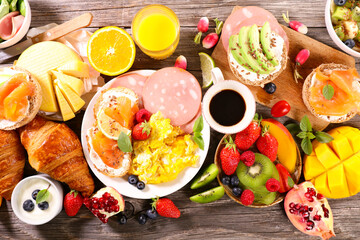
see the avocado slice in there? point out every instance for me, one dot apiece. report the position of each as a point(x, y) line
point(265, 42)
point(257, 50)
point(246, 52)
point(235, 51)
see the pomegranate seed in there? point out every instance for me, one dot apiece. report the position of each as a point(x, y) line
point(297, 206)
point(101, 206)
point(326, 215)
point(317, 218)
point(95, 211)
point(106, 195)
point(309, 228)
point(306, 208)
point(292, 205)
point(305, 214)
point(310, 223)
point(310, 209)
point(105, 220)
point(106, 202)
point(95, 206)
point(319, 196)
point(307, 195)
point(310, 199)
point(117, 208)
point(116, 201)
point(291, 210)
point(312, 192)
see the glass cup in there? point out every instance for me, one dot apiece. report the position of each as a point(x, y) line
point(156, 31)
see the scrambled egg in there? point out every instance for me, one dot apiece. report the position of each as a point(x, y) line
point(162, 156)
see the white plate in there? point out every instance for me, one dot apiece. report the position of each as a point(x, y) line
point(121, 184)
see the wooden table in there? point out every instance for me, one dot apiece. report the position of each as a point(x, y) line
point(223, 219)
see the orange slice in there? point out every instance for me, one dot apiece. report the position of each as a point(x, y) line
point(111, 51)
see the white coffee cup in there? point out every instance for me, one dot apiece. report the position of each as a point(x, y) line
point(220, 85)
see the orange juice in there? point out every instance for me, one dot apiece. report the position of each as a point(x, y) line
point(155, 29)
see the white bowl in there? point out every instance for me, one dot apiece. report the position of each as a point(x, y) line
point(22, 192)
point(23, 30)
point(334, 37)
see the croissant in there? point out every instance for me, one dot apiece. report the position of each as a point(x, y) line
point(54, 149)
point(12, 162)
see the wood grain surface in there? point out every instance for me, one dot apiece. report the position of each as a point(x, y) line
point(223, 219)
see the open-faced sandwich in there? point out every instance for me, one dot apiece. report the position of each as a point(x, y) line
point(332, 92)
point(257, 45)
point(20, 98)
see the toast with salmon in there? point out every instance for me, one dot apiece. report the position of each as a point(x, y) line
point(20, 98)
point(343, 105)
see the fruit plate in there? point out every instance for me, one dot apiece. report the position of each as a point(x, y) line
point(121, 184)
point(279, 197)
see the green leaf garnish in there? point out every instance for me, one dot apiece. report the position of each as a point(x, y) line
point(199, 124)
point(310, 135)
point(293, 128)
point(323, 137)
point(42, 195)
point(124, 142)
point(306, 146)
point(219, 26)
point(199, 141)
point(328, 91)
point(305, 124)
point(302, 135)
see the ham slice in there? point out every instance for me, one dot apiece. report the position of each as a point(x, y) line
point(10, 24)
point(248, 16)
point(188, 127)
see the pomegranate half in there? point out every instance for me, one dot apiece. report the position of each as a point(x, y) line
point(309, 211)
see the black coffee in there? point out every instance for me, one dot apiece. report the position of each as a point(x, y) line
point(227, 107)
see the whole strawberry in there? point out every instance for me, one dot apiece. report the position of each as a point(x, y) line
point(267, 144)
point(141, 131)
point(247, 137)
point(72, 203)
point(166, 208)
point(230, 157)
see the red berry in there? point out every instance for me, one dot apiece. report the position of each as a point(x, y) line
point(248, 158)
point(142, 115)
point(73, 202)
point(267, 145)
point(272, 185)
point(247, 137)
point(166, 208)
point(247, 197)
point(280, 109)
point(141, 131)
point(229, 157)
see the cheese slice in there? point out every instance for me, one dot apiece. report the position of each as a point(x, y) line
point(75, 68)
point(65, 108)
point(76, 84)
point(39, 59)
point(75, 102)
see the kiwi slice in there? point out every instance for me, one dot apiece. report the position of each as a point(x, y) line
point(209, 195)
point(266, 199)
point(256, 175)
point(206, 177)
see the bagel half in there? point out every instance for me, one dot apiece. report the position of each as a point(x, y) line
point(240, 75)
point(326, 68)
point(34, 102)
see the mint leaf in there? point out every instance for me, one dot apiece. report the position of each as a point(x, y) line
point(305, 124)
point(310, 135)
point(124, 142)
point(199, 141)
point(302, 135)
point(328, 91)
point(306, 146)
point(323, 137)
point(293, 128)
point(199, 124)
point(42, 195)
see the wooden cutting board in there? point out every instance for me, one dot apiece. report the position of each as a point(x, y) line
point(287, 88)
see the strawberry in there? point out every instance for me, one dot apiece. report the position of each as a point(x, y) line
point(166, 208)
point(72, 203)
point(267, 144)
point(230, 157)
point(247, 137)
point(141, 131)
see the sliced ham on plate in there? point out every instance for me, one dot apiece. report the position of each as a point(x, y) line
point(175, 92)
point(10, 24)
point(188, 127)
point(248, 16)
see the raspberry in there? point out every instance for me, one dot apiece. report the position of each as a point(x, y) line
point(272, 185)
point(247, 197)
point(142, 115)
point(248, 158)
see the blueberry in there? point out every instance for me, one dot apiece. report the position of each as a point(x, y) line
point(350, 43)
point(225, 180)
point(270, 88)
point(133, 179)
point(340, 2)
point(28, 205)
point(142, 219)
point(43, 205)
point(152, 213)
point(122, 219)
point(237, 191)
point(140, 185)
point(35, 193)
point(234, 181)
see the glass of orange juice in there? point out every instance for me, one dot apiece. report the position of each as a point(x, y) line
point(156, 31)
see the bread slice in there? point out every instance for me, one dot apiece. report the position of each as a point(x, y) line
point(325, 68)
point(271, 77)
point(34, 101)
